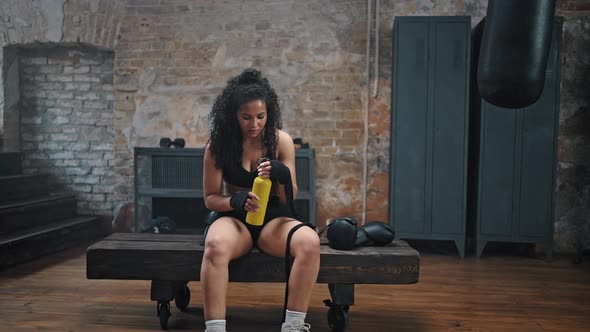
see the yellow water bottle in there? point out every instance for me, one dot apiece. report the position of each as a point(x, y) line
point(260, 188)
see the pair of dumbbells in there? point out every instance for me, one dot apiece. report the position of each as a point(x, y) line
point(166, 142)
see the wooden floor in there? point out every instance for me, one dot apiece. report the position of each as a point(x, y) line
point(494, 293)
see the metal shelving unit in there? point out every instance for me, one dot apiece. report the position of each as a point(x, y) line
point(165, 173)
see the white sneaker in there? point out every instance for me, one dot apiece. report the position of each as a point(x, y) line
point(296, 326)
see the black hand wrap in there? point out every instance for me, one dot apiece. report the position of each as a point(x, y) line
point(279, 172)
point(238, 199)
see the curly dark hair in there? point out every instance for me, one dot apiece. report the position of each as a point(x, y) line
point(225, 137)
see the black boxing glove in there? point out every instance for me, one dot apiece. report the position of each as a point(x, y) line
point(238, 200)
point(342, 233)
point(279, 172)
point(375, 233)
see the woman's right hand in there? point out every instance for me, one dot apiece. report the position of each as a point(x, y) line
point(244, 201)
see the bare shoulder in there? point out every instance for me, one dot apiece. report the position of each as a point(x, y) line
point(285, 143)
point(208, 150)
point(284, 137)
point(208, 157)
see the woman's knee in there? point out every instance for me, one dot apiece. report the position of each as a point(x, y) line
point(226, 239)
point(217, 249)
point(306, 244)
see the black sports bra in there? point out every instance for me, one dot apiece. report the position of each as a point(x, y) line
point(236, 175)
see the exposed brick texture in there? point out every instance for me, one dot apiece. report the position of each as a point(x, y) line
point(67, 121)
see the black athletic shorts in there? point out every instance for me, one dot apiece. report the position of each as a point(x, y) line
point(274, 210)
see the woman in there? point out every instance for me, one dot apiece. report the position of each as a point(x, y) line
point(245, 127)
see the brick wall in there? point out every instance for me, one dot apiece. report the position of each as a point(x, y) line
point(172, 61)
point(67, 121)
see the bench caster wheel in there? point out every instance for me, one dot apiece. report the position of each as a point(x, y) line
point(163, 311)
point(183, 298)
point(337, 316)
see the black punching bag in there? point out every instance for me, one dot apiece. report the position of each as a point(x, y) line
point(514, 51)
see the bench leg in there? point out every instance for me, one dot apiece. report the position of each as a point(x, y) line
point(168, 290)
point(342, 297)
point(165, 291)
point(342, 293)
point(162, 290)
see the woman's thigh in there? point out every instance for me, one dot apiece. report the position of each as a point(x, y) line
point(228, 233)
point(273, 238)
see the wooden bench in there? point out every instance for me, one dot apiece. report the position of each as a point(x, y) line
point(171, 260)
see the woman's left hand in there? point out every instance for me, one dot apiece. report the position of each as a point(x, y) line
point(275, 170)
point(264, 169)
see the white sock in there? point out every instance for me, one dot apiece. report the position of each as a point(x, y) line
point(294, 315)
point(215, 325)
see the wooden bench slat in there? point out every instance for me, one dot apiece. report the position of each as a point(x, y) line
point(150, 237)
point(148, 242)
point(397, 249)
point(178, 257)
point(147, 246)
point(140, 237)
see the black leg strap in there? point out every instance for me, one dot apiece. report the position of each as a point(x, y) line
point(290, 201)
point(288, 265)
